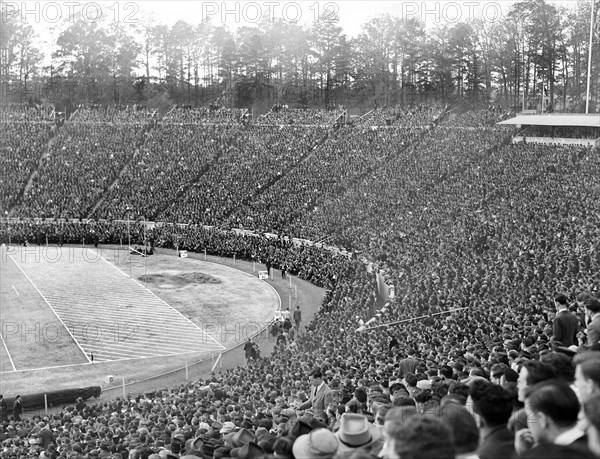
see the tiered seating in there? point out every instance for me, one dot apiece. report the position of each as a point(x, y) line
point(24, 134)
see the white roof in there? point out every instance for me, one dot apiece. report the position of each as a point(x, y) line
point(556, 119)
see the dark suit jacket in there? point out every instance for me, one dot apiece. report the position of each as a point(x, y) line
point(499, 444)
point(320, 400)
point(3, 411)
point(17, 409)
point(565, 327)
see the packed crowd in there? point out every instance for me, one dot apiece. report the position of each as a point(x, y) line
point(284, 115)
point(256, 157)
point(345, 158)
point(561, 132)
point(371, 213)
point(83, 160)
point(169, 157)
point(204, 115)
point(474, 118)
point(21, 112)
point(422, 115)
point(24, 135)
point(117, 114)
point(498, 241)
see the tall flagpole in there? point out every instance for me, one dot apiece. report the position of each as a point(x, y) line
point(589, 72)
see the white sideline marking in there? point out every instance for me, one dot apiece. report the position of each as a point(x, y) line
point(25, 370)
point(159, 298)
point(50, 306)
point(15, 289)
point(8, 353)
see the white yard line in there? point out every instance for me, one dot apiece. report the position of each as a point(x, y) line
point(7, 353)
point(160, 299)
point(50, 306)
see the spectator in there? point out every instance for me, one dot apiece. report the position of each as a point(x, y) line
point(421, 438)
point(553, 409)
point(463, 427)
point(17, 408)
point(592, 412)
point(321, 395)
point(592, 309)
point(587, 374)
point(3, 410)
point(318, 444)
point(492, 406)
point(533, 372)
point(565, 325)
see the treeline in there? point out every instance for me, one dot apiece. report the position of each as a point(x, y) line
point(536, 52)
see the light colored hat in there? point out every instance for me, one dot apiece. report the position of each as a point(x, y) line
point(318, 444)
point(355, 432)
point(228, 426)
point(424, 384)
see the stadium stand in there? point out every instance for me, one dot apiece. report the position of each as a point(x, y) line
point(452, 213)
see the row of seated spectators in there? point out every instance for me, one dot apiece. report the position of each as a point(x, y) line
point(99, 144)
point(24, 133)
point(409, 182)
point(474, 118)
point(22, 145)
point(389, 116)
point(16, 113)
point(352, 153)
point(286, 115)
point(112, 114)
point(83, 160)
point(255, 158)
point(562, 132)
point(169, 157)
point(202, 115)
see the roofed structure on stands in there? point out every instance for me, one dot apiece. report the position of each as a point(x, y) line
point(557, 128)
point(556, 119)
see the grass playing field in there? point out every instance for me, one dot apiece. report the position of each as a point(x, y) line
point(136, 315)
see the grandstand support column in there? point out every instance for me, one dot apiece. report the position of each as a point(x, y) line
point(589, 69)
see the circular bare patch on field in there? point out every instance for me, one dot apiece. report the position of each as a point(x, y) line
point(176, 281)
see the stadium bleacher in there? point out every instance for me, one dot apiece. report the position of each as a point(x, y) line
point(452, 213)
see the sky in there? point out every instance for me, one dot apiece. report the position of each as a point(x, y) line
point(352, 13)
point(45, 15)
point(50, 17)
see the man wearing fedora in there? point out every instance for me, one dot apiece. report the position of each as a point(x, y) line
point(321, 395)
point(356, 432)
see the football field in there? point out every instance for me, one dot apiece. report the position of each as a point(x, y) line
point(68, 307)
